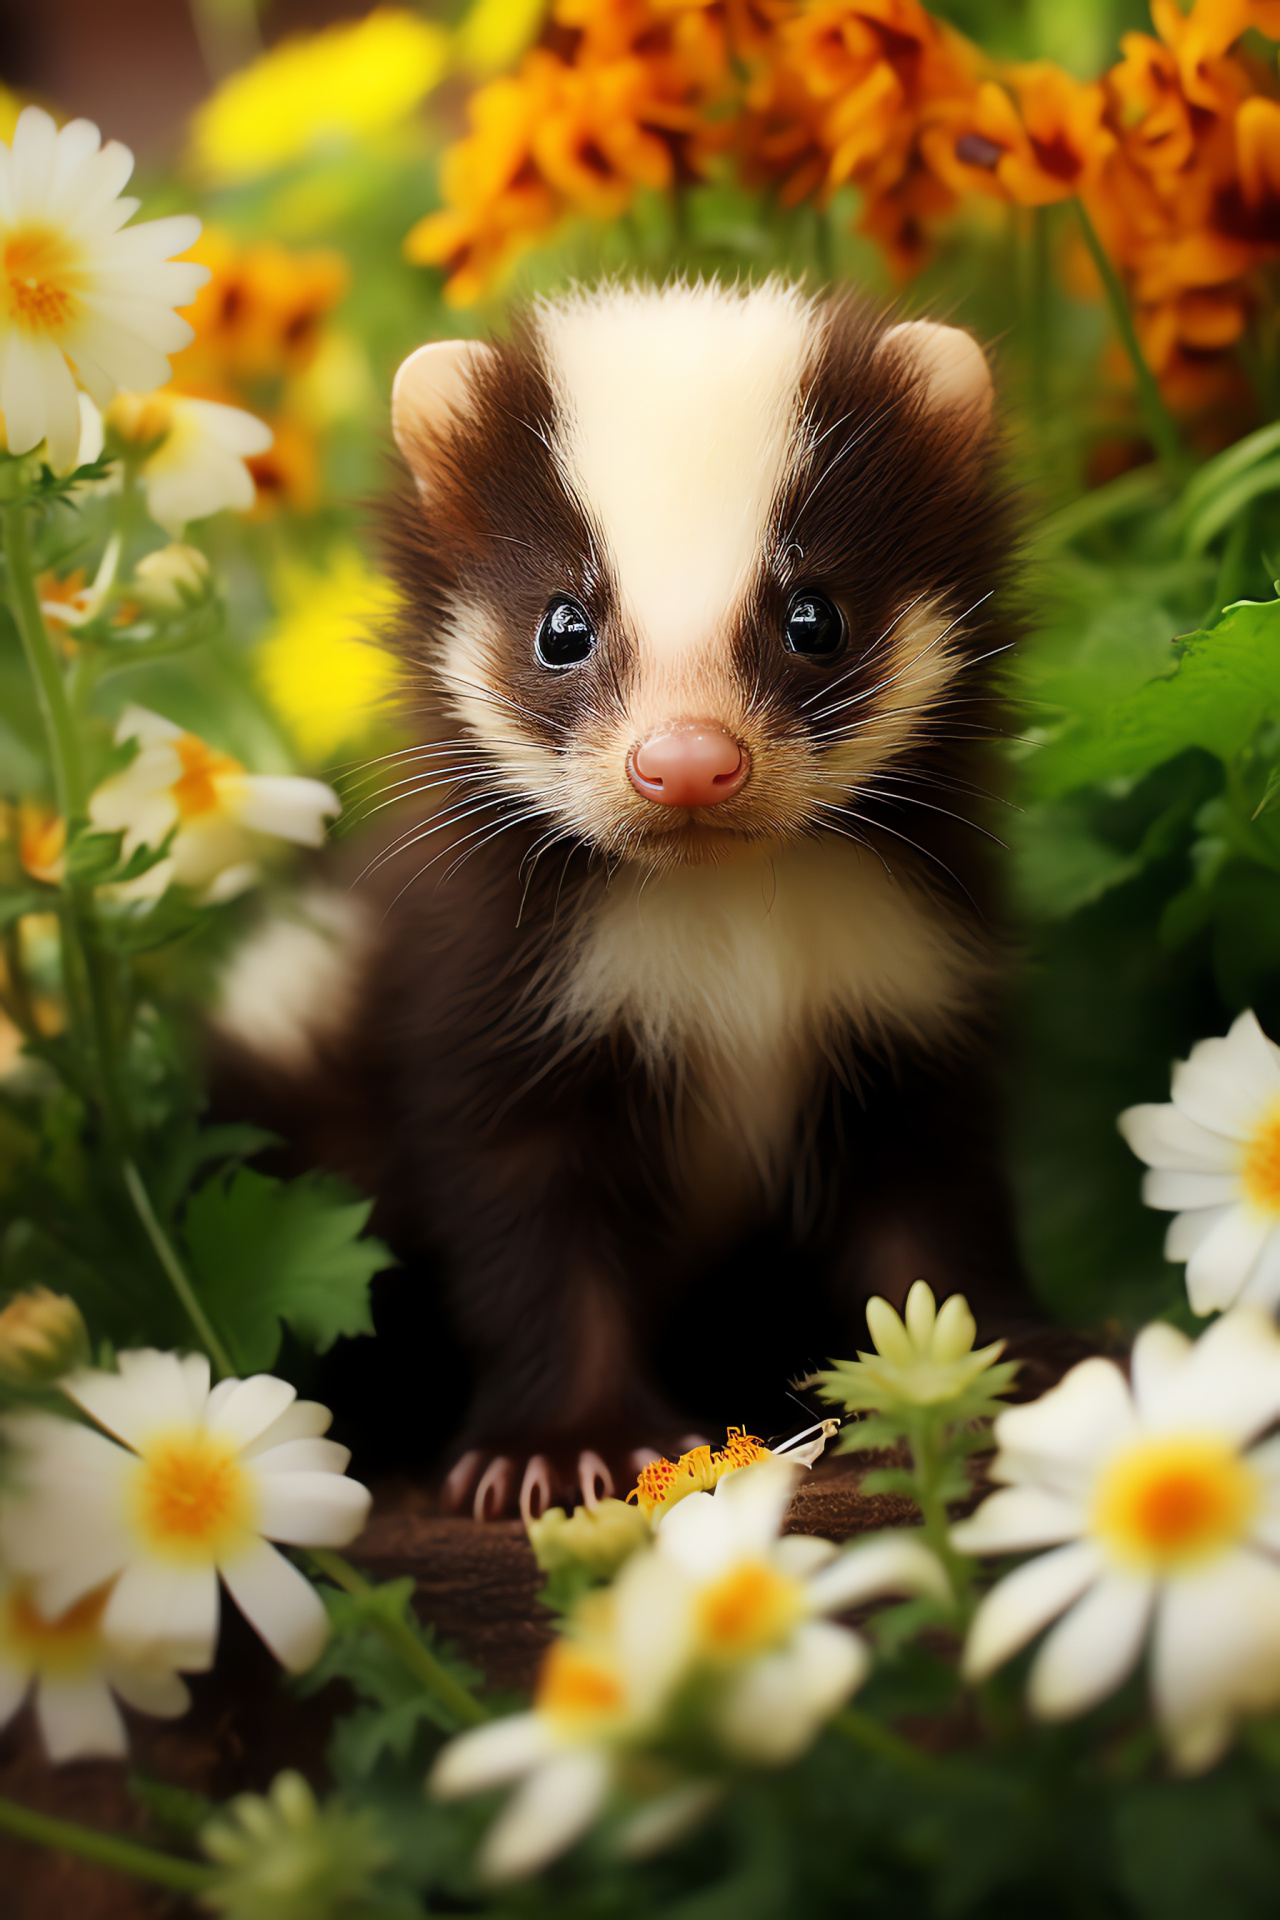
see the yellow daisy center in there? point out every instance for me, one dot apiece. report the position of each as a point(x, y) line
point(749, 1609)
point(1260, 1169)
point(195, 791)
point(663, 1482)
point(63, 1647)
point(192, 1498)
point(1166, 1504)
point(39, 271)
point(576, 1688)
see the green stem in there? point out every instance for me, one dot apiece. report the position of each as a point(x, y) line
point(419, 1659)
point(1040, 309)
point(863, 1731)
point(929, 1467)
point(106, 1849)
point(68, 775)
point(89, 994)
point(1159, 422)
point(168, 1258)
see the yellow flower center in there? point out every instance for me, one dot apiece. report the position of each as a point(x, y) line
point(663, 1482)
point(195, 791)
point(66, 1646)
point(576, 1688)
point(1168, 1503)
point(1260, 1169)
point(750, 1608)
point(192, 1498)
point(39, 276)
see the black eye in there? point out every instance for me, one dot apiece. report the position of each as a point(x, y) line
point(565, 634)
point(813, 626)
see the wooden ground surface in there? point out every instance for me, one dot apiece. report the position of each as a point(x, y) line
point(477, 1584)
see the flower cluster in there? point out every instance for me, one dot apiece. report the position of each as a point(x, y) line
point(618, 100)
point(1174, 153)
point(116, 1533)
point(719, 1624)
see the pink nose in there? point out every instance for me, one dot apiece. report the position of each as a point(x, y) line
point(694, 764)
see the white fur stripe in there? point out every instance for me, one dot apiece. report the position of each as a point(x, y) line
point(677, 408)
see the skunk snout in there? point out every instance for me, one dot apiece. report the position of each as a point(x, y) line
point(695, 763)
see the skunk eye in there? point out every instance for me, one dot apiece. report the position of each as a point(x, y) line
point(813, 626)
point(565, 634)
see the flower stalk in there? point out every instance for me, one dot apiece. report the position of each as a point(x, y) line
point(1158, 420)
point(106, 1849)
point(419, 1659)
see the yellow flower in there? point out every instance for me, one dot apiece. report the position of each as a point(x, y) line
point(494, 33)
point(320, 670)
point(664, 1482)
point(348, 80)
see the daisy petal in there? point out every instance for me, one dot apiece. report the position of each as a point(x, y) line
point(1023, 1602)
point(490, 1756)
point(78, 1718)
point(158, 1610)
point(1189, 1230)
point(304, 1420)
point(153, 1690)
point(1216, 1653)
point(1016, 1518)
point(894, 1563)
point(1164, 1136)
point(771, 1712)
point(1174, 1192)
point(554, 1807)
point(1058, 1437)
point(312, 1509)
point(253, 1405)
point(1087, 1655)
point(279, 1604)
point(150, 1391)
point(1225, 1084)
point(1225, 1258)
point(1228, 1382)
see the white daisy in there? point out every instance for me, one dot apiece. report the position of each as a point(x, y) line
point(199, 1484)
point(177, 780)
point(199, 448)
point(1161, 1525)
point(85, 298)
point(759, 1603)
point(1215, 1159)
point(602, 1691)
point(719, 1599)
point(74, 1673)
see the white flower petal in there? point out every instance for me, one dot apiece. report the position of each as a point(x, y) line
point(1018, 1606)
point(490, 1756)
point(78, 1718)
point(1222, 1263)
point(890, 1563)
point(154, 1690)
point(1164, 1136)
point(148, 729)
point(1190, 1230)
point(772, 1711)
point(799, 1555)
point(289, 807)
point(1216, 1653)
point(1173, 1192)
point(279, 1603)
point(1262, 1288)
point(250, 1408)
point(554, 1807)
point(152, 1390)
point(14, 1682)
point(1227, 1084)
point(303, 1456)
point(653, 1627)
point(1019, 1517)
point(661, 1822)
point(1089, 1653)
point(1058, 1439)
point(1228, 1381)
point(304, 1420)
point(311, 1509)
point(162, 1612)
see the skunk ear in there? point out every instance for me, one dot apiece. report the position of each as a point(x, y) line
point(431, 389)
point(950, 365)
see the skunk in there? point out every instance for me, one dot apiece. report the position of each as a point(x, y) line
point(688, 921)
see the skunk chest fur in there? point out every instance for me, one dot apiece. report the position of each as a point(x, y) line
point(738, 983)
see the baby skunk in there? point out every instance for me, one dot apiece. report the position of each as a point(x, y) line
point(690, 927)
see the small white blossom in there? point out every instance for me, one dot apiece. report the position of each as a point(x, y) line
point(177, 781)
point(81, 289)
point(192, 1484)
point(1161, 1525)
point(74, 1673)
point(1214, 1154)
point(198, 449)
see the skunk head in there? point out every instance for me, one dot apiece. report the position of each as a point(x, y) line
point(693, 566)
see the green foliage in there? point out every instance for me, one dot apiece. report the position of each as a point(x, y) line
point(269, 1251)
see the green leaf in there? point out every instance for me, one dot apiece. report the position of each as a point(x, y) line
point(266, 1251)
point(396, 1703)
point(1226, 684)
